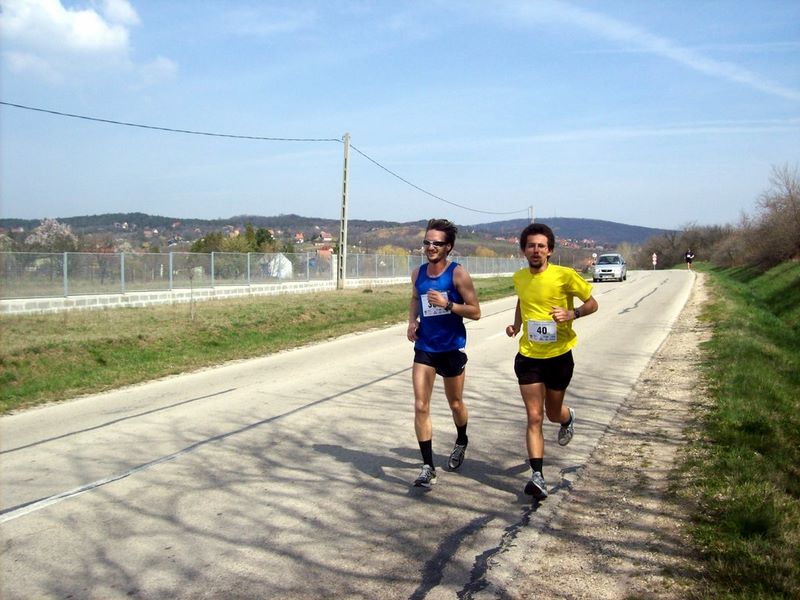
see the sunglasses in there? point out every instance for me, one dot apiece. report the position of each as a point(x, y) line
point(433, 243)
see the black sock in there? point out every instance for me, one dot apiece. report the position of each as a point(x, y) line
point(536, 464)
point(462, 438)
point(427, 452)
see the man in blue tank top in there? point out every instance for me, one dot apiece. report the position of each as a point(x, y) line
point(442, 295)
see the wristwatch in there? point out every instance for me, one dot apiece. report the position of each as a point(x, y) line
point(577, 312)
point(449, 305)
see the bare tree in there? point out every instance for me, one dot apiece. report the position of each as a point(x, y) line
point(778, 223)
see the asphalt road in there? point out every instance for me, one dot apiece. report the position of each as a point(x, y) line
point(289, 476)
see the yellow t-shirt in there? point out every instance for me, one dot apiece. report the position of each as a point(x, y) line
point(538, 293)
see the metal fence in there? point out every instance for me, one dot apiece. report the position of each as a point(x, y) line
point(37, 274)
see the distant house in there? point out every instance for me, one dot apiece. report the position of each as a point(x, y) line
point(299, 238)
point(325, 236)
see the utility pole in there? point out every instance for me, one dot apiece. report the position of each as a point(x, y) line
point(530, 214)
point(343, 220)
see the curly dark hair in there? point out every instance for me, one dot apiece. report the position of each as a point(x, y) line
point(448, 228)
point(537, 229)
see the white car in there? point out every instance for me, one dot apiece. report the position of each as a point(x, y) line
point(610, 267)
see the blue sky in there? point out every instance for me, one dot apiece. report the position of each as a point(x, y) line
point(661, 114)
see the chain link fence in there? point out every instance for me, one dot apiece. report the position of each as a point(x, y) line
point(39, 274)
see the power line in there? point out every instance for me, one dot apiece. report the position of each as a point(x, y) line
point(406, 181)
point(169, 129)
point(255, 137)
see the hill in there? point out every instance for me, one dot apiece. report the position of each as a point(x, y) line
point(603, 232)
point(498, 235)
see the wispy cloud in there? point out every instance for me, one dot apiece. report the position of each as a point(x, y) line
point(684, 130)
point(266, 21)
point(637, 38)
point(705, 129)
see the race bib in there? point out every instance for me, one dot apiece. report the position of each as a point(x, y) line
point(543, 332)
point(429, 310)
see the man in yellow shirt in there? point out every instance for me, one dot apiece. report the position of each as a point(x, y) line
point(544, 364)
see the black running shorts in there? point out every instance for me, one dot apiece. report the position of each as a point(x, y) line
point(447, 364)
point(555, 373)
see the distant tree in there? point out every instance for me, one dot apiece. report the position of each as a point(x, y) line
point(122, 245)
point(250, 238)
point(731, 251)
point(393, 250)
point(264, 240)
point(6, 243)
point(239, 243)
point(485, 252)
point(631, 254)
point(212, 242)
point(52, 236)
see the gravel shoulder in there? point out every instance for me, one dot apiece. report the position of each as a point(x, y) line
point(621, 534)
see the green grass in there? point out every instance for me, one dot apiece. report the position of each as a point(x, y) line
point(53, 357)
point(745, 472)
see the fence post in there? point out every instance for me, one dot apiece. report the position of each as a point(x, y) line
point(308, 266)
point(212, 270)
point(170, 271)
point(122, 271)
point(248, 269)
point(64, 272)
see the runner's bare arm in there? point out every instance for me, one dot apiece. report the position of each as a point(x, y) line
point(413, 309)
point(561, 314)
point(513, 330)
point(471, 309)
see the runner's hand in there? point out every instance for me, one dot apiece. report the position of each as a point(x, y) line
point(437, 298)
point(561, 314)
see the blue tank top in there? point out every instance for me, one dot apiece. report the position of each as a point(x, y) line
point(439, 330)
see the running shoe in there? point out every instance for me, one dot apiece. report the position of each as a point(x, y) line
point(566, 431)
point(427, 477)
point(536, 487)
point(457, 456)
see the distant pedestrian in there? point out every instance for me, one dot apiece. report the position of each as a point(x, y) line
point(544, 364)
point(689, 257)
point(442, 295)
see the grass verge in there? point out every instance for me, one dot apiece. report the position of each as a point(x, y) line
point(53, 357)
point(745, 472)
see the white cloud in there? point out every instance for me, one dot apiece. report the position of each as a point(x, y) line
point(45, 39)
point(44, 27)
point(120, 11)
point(641, 39)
